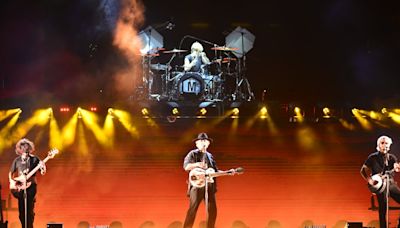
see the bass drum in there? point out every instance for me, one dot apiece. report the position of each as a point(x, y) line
point(191, 85)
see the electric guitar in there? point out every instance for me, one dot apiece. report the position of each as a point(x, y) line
point(20, 182)
point(199, 176)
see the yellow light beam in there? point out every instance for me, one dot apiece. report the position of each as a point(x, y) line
point(5, 131)
point(4, 114)
point(68, 132)
point(40, 117)
point(109, 130)
point(90, 120)
point(361, 119)
point(55, 140)
point(299, 116)
point(394, 116)
point(125, 119)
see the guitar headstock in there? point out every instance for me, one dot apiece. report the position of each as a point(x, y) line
point(53, 153)
point(239, 170)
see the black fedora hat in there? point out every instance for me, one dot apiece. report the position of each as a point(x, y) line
point(202, 136)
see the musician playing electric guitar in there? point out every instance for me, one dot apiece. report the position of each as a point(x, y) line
point(21, 166)
point(379, 169)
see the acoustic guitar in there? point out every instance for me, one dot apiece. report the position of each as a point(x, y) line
point(199, 176)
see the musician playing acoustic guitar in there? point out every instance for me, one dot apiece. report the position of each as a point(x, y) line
point(201, 158)
point(379, 166)
point(20, 167)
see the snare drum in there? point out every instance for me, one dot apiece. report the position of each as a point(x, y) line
point(191, 84)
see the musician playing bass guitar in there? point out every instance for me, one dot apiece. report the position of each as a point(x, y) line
point(379, 167)
point(20, 167)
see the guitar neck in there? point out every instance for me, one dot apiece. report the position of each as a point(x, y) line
point(34, 170)
point(220, 173)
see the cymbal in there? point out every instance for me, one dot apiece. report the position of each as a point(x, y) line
point(157, 49)
point(223, 48)
point(174, 51)
point(148, 54)
point(224, 60)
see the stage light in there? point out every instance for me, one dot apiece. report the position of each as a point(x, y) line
point(175, 111)
point(298, 115)
point(93, 109)
point(384, 110)
point(145, 112)
point(263, 112)
point(64, 109)
point(235, 112)
point(50, 113)
point(79, 112)
point(327, 112)
point(203, 111)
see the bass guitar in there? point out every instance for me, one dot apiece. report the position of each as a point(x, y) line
point(199, 176)
point(20, 182)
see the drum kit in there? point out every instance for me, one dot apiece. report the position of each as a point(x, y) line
point(215, 82)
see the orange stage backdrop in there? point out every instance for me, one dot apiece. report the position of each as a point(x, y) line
point(294, 173)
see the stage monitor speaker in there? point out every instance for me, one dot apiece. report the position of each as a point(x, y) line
point(54, 225)
point(354, 225)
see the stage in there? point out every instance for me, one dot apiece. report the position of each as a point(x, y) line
point(294, 174)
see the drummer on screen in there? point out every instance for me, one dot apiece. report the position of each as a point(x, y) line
point(196, 59)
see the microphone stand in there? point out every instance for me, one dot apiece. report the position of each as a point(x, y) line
point(27, 166)
point(168, 79)
point(386, 179)
point(206, 185)
point(206, 197)
point(199, 39)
